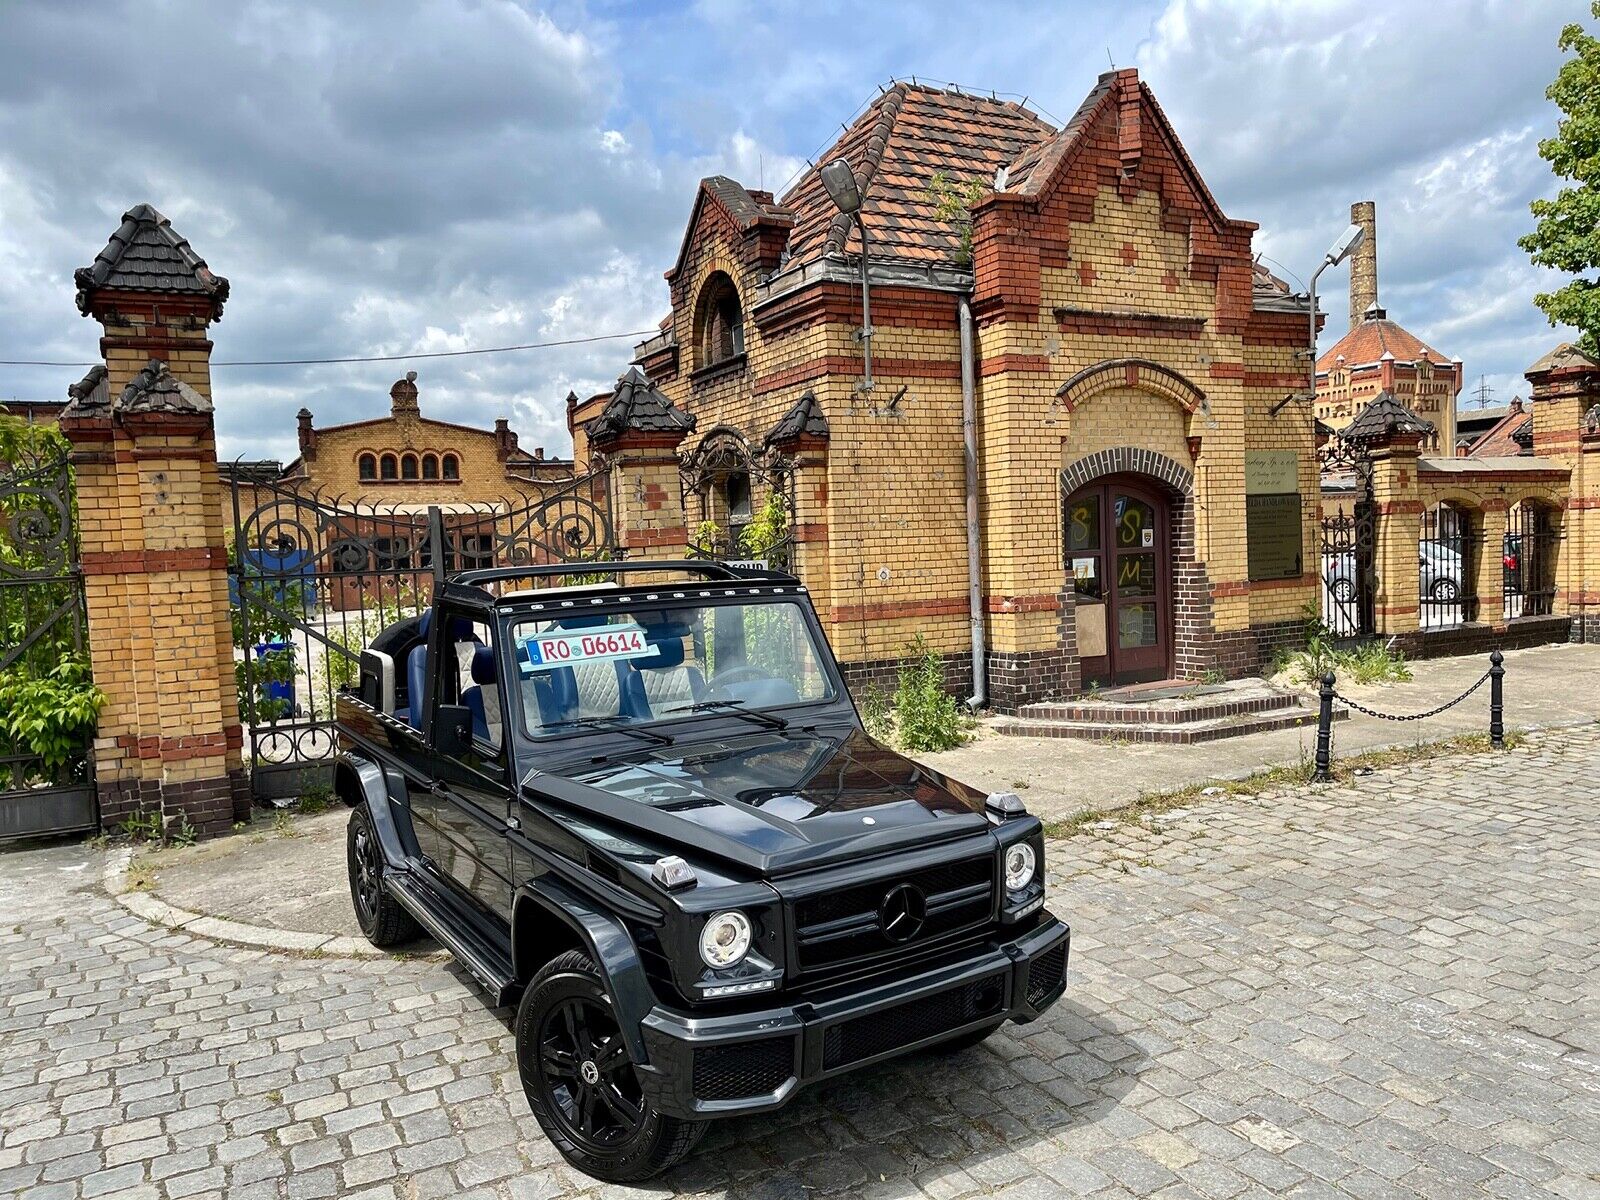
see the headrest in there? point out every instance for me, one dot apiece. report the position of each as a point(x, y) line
point(668, 654)
point(483, 668)
point(460, 627)
point(424, 625)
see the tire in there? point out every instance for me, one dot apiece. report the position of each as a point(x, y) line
point(965, 1041)
point(1344, 591)
point(377, 912)
point(1445, 591)
point(580, 1081)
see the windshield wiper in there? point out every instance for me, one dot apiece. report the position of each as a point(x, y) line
point(735, 708)
point(619, 723)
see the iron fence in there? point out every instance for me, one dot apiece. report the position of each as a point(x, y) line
point(1448, 550)
point(1528, 559)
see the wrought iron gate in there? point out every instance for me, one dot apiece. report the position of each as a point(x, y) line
point(46, 783)
point(723, 480)
point(1348, 545)
point(313, 577)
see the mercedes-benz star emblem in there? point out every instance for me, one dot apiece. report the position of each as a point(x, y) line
point(903, 913)
point(590, 1073)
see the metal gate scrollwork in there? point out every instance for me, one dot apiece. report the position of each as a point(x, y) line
point(1348, 555)
point(725, 479)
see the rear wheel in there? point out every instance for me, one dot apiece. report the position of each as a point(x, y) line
point(381, 918)
point(1445, 591)
point(581, 1083)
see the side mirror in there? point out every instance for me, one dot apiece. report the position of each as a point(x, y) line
point(452, 729)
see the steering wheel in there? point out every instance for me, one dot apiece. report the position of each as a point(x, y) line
point(734, 675)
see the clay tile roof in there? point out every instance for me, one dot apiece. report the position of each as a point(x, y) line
point(805, 419)
point(637, 405)
point(1374, 337)
point(146, 254)
point(1383, 416)
point(744, 205)
point(1263, 280)
point(156, 389)
point(1024, 173)
point(895, 147)
point(93, 390)
point(1508, 436)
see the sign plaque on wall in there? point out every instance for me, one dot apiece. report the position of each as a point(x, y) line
point(1272, 507)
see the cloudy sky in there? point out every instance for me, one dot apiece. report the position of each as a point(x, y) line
point(390, 178)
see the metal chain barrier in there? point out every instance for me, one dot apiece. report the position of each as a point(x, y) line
point(1494, 676)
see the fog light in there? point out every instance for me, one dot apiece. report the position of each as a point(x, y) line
point(725, 939)
point(1020, 865)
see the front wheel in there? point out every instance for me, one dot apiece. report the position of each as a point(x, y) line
point(580, 1081)
point(1445, 591)
point(379, 914)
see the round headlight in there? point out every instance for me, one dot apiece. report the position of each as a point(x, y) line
point(725, 939)
point(1020, 864)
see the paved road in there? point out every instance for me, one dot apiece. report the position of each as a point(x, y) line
point(1388, 989)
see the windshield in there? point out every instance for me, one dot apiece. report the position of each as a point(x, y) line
point(636, 667)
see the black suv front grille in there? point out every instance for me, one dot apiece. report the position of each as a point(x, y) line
point(836, 928)
point(739, 1071)
point(1046, 972)
point(880, 1032)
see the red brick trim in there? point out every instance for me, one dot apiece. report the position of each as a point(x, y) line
point(671, 535)
point(1388, 507)
point(1243, 587)
point(145, 562)
point(1040, 602)
point(811, 531)
point(1099, 323)
point(1001, 363)
point(841, 364)
point(177, 749)
point(889, 609)
point(192, 454)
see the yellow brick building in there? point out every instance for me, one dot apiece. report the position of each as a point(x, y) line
point(1145, 506)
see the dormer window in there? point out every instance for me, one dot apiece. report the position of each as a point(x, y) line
point(719, 321)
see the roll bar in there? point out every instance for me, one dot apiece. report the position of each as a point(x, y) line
point(709, 568)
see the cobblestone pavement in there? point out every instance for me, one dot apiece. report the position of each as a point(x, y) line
point(1386, 989)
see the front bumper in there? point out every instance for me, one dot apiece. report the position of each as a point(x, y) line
point(753, 1062)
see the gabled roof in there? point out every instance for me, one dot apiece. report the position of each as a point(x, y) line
point(1375, 336)
point(146, 254)
point(1508, 436)
point(803, 420)
point(745, 208)
point(1382, 417)
point(638, 406)
point(156, 389)
point(905, 135)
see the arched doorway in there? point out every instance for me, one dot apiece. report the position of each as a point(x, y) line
point(1118, 546)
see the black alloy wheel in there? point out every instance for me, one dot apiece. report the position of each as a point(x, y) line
point(580, 1080)
point(379, 914)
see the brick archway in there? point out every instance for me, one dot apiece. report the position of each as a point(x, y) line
point(1138, 373)
point(1126, 460)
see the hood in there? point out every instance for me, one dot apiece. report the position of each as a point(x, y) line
point(779, 801)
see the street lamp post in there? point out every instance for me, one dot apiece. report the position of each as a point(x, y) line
point(840, 183)
point(1337, 253)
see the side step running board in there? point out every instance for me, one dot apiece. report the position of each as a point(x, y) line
point(487, 963)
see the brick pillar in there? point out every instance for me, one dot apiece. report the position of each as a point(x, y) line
point(1491, 534)
point(1399, 521)
point(637, 435)
point(152, 535)
point(1565, 403)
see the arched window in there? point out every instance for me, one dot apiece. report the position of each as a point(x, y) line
point(408, 467)
point(452, 467)
point(389, 467)
point(368, 467)
point(430, 466)
point(719, 321)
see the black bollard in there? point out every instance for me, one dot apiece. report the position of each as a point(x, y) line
point(1497, 700)
point(1324, 772)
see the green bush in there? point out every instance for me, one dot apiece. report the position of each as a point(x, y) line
point(876, 714)
point(1369, 662)
point(928, 717)
point(48, 714)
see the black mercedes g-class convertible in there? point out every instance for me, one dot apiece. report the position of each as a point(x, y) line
point(648, 807)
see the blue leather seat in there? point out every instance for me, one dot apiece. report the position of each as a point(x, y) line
point(417, 672)
point(483, 672)
point(668, 656)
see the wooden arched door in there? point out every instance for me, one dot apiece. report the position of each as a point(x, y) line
point(1117, 550)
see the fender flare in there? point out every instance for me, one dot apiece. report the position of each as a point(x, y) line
point(373, 785)
point(610, 946)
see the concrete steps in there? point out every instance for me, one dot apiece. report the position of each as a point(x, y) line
point(1172, 713)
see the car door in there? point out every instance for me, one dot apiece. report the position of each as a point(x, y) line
point(470, 795)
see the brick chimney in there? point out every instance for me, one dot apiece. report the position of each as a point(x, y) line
point(1364, 262)
point(308, 435)
point(403, 397)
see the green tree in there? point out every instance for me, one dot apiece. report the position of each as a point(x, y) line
point(1567, 236)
